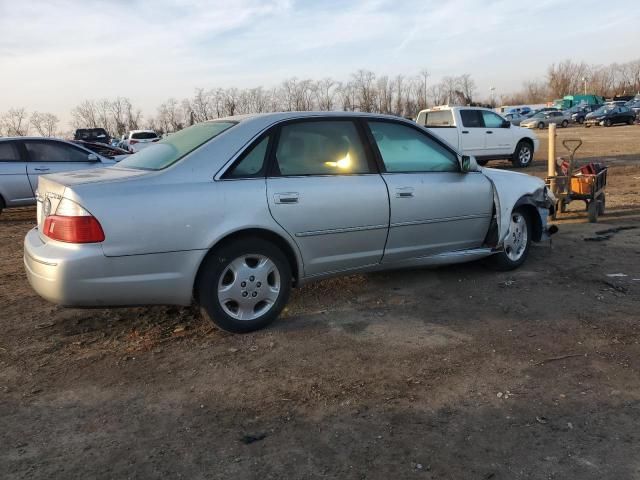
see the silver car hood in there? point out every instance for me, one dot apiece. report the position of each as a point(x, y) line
point(508, 189)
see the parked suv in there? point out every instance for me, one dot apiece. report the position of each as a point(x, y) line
point(24, 159)
point(136, 140)
point(480, 132)
point(92, 135)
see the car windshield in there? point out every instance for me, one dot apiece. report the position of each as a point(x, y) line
point(168, 151)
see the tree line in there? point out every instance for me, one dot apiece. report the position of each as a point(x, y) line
point(364, 91)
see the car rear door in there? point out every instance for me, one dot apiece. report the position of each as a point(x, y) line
point(323, 188)
point(498, 137)
point(14, 183)
point(50, 156)
point(472, 132)
point(435, 207)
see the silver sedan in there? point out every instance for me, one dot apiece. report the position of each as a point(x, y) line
point(234, 212)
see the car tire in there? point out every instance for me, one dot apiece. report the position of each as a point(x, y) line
point(580, 120)
point(630, 121)
point(523, 154)
point(541, 125)
point(244, 285)
point(565, 124)
point(482, 162)
point(607, 122)
point(517, 245)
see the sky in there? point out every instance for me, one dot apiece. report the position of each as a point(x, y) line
point(56, 53)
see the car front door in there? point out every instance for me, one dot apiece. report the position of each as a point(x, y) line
point(499, 137)
point(15, 189)
point(435, 207)
point(50, 156)
point(323, 188)
point(472, 133)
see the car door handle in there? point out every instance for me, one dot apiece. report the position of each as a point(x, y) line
point(465, 131)
point(288, 197)
point(489, 131)
point(42, 169)
point(404, 192)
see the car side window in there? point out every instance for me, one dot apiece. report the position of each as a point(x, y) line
point(491, 120)
point(471, 118)
point(9, 152)
point(405, 149)
point(251, 163)
point(320, 148)
point(439, 118)
point(54, 152)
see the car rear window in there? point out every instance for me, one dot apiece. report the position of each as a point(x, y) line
point(169, 150)
point(143, 135)
point(439, 118)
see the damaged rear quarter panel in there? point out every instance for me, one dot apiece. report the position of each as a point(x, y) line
point(508, 189)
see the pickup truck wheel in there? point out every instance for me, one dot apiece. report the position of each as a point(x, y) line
point(517, 243)
point(523, 154)
point(244, 285)
point(482, 162)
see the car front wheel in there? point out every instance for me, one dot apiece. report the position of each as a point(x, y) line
point(523, 154)
point(244, 285)
point(517, 243)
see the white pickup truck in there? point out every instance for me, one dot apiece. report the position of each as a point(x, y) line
point(482, 133)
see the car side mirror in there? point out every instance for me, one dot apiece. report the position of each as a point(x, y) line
point(468, 164)
point(92, 157)
point(506, 124)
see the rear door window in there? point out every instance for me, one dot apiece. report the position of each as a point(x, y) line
point(251, 163)
point(320, 148)
point(471, 118)
point(9, 152)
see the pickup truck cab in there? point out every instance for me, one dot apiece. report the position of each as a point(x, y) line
point(480, 132)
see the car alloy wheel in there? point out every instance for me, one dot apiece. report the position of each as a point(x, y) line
point(515, 245)
point(249, 287)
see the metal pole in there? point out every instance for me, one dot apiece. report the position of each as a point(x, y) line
point(551, 163)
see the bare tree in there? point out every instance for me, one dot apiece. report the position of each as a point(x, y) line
point(46, 124)
point(363, 82)
point(15, 122)
point(325, 93)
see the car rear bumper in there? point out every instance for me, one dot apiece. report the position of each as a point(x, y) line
point(82, 276)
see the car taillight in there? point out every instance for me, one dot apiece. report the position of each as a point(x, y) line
point(132, 141)
point(73, 224)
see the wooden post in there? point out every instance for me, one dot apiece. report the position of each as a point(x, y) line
point(551, 165)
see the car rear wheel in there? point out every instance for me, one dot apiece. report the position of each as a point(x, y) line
point(541, 125)
point(565, 123)
point(607, 123)
point(630, 121)
point(482, 161)
point(244, 285)
point(523, 155)
point(517, 243)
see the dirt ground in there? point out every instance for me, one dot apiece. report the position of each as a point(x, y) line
point(450, 373)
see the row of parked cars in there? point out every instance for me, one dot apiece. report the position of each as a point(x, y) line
point(130, 142)
point(607, 114)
